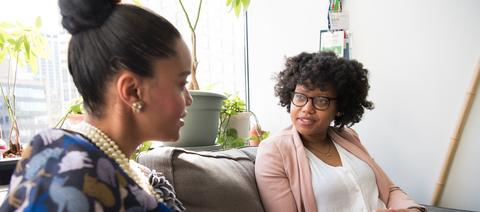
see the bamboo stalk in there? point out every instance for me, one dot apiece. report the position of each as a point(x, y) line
point(455, 140)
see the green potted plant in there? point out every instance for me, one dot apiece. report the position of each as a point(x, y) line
point(19, 45)
point(234, 123)
point(201, 123)
point(234, 129)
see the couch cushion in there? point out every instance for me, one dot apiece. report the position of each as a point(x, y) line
point(209, 181)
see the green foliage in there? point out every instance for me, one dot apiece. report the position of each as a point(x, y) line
point(263, 135)
point(76, 107)
point(237, 5)
point(232, 105)
point(21, 45)
point(142, 148)
point(228, 137)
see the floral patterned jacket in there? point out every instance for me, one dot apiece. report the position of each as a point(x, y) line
point(62, 171)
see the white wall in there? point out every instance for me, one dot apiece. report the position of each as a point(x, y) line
point(421, 56)
point(279, 28)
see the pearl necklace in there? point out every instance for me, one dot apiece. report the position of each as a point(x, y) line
point(111, 149)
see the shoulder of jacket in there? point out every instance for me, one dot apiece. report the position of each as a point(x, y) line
point(279, 140)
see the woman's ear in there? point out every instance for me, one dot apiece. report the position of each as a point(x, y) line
point(129, 87)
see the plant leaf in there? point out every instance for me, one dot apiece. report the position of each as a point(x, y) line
point(26, 44)
point(38, 22)
point(145, 146)
point(245, 4)
point(11, 41)
point(137, 2)
point(2, 40)
point(18, 44)
point(237, 7)
point(76, 108)
point(33, 65)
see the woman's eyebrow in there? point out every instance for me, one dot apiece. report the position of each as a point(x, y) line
point(184, 73)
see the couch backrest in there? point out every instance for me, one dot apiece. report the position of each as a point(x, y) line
point(209, 181)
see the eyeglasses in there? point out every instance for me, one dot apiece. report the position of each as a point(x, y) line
point(319, 102)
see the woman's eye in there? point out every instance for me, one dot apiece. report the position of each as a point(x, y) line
point(300, 97)
point(322, 101)
point(183, 85)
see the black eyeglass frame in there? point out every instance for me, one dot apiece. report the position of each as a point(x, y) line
point(329, 99)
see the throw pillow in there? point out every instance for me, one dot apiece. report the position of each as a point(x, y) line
point(208, 181)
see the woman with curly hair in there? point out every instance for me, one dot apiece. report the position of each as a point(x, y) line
point(318, 163)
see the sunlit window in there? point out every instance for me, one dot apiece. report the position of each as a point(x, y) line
point(42, 97)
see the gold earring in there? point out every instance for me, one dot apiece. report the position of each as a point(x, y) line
point(137, 106)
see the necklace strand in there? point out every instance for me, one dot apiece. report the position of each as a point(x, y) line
point(111, 149)
point(328, 153)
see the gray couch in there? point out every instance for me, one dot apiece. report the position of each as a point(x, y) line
point(214, 181)
point(209, 181)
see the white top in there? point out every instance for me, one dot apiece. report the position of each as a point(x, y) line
point(350, 187)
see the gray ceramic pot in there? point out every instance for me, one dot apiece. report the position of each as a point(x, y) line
point(201, 122)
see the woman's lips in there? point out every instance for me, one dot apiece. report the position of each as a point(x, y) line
point(305, 121)
point(181, 122)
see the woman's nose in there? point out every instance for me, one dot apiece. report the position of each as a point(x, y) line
point(188, 98)
point(308, 107)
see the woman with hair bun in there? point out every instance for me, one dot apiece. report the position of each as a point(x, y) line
point(130, 66)
point(318, 163)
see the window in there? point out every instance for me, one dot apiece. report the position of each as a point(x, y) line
point(220, 41)
point(40, 97)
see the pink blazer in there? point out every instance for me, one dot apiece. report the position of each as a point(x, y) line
point(283, 173)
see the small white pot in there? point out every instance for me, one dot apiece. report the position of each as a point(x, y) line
point(241, 123)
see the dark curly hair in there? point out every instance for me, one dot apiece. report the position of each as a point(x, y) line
point(313, 70)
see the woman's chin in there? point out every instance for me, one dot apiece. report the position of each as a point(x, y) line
point(302, 128)
point(168, 138)
point(304, 131)
point(173, 138)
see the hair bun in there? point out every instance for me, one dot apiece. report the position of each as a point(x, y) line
point(79, 15)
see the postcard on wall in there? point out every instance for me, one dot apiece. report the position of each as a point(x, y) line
point(339, 20)
point(332, 41)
